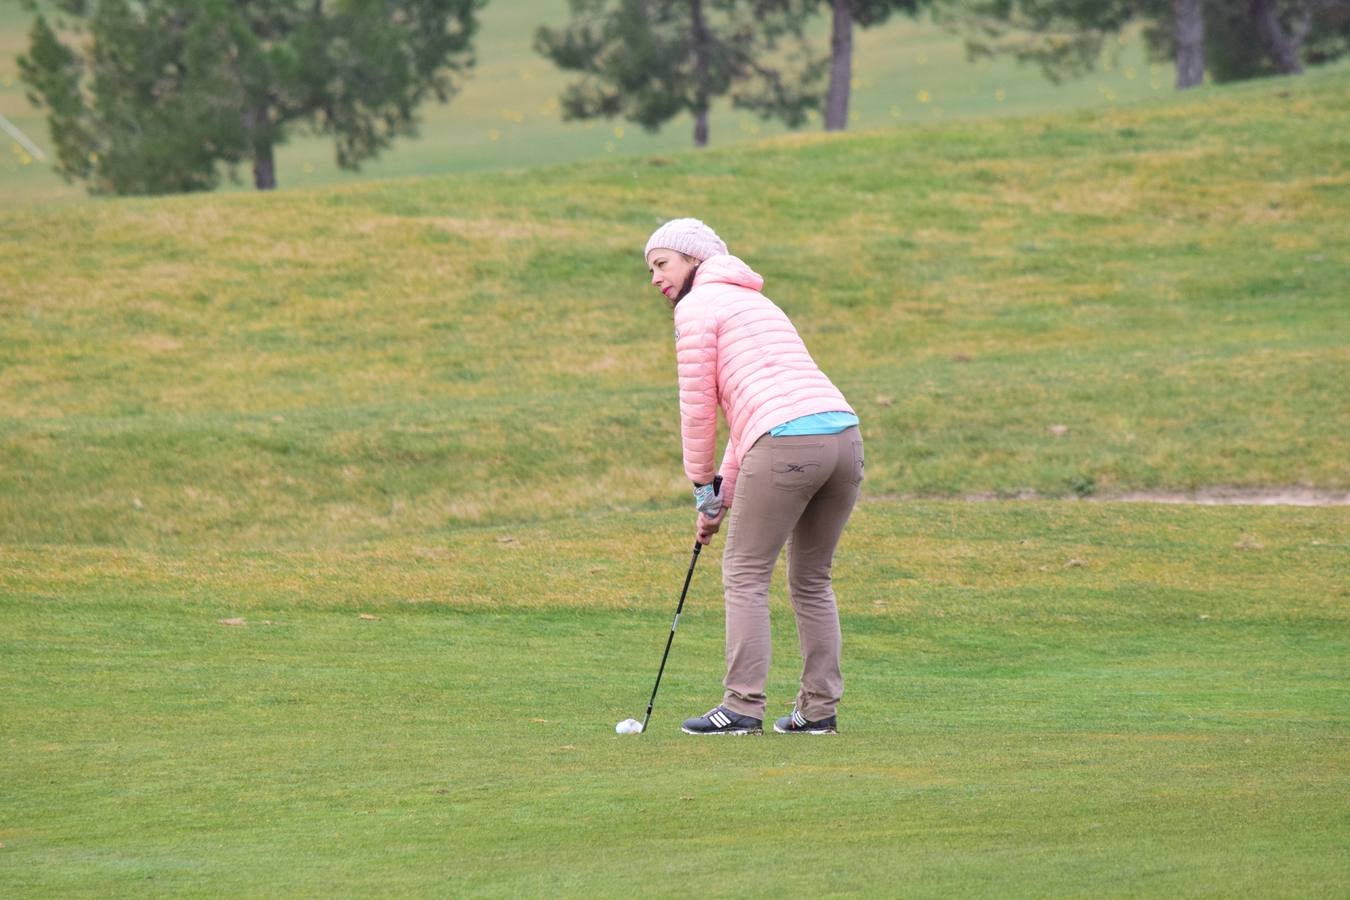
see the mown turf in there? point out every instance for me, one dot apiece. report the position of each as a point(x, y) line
point(1042, 699)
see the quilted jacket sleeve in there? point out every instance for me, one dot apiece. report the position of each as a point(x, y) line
point(696, 329)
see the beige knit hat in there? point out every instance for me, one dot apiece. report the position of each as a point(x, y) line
point(688, 236)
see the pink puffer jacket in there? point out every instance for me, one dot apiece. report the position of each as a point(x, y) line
point(736, 349)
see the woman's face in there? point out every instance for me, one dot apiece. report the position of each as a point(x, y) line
point(670, 273)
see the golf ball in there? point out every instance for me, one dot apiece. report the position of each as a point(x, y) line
point(628, 726)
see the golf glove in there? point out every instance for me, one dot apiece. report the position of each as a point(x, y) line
point(708, 498)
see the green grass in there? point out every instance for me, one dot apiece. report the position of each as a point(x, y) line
point(377, 360)
point(421, 436)
point(507, 115)
point(1041, 699)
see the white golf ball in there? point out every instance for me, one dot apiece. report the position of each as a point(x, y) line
point(628, 726)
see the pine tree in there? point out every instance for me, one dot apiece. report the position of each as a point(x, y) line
point(1064, 37)
point(648, 61)
point(161, 95)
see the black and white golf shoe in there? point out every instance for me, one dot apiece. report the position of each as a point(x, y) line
point(797, 724)
point(720, 720)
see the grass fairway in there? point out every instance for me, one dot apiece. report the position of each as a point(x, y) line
point(417, 440)
point(1042, 699)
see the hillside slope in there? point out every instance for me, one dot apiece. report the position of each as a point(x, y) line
point(1149, 297)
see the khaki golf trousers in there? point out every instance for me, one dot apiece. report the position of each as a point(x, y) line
point(797, 491)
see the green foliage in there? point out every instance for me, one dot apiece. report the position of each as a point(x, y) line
point(868, 13)
point(1067, 38)
point(1233, 45)
point(177, 90)
point(649, 61)
point(1328, 38)
point(53, 71)
point(161, 114)
point(1064, 37)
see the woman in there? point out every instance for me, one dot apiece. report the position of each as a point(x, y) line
point(790, 474)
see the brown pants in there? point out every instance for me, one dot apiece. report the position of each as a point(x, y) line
point(797, 491)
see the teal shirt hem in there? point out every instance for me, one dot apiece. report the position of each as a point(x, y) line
point(819, 423)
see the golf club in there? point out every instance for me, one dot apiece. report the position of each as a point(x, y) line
point(671, 639)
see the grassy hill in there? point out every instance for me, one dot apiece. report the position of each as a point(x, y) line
point(1166, 282)
point(338, 526)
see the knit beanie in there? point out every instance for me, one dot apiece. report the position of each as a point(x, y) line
point(688, 236)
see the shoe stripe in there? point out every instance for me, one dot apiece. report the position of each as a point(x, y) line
point(798, 719)
point(719, 718)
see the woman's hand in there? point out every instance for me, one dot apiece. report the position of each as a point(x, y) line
point(707, 527)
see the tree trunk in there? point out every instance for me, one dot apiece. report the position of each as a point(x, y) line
point(841, 67)
point(259, 126)
point(1190, 41)
point(1283, 51)
point(700, 40)
point(264, 167)
point(701, 128)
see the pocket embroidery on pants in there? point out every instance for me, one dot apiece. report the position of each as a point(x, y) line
point(796, 466)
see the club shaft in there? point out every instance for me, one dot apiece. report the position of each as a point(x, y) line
point(670, 639)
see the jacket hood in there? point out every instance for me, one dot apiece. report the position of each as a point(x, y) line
point(727, 269)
